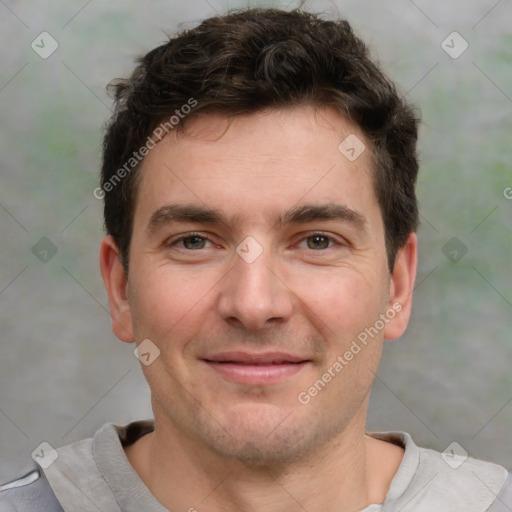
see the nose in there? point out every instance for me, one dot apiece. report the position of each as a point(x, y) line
point(253, 295)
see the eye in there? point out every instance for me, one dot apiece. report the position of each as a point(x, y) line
point(190, 241)
point(319, 241)
point(195, 241)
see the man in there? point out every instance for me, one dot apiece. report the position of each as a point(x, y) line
point(258, 179)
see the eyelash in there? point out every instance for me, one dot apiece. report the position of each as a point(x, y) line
point(173, 242)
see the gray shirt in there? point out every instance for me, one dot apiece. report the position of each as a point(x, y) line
point(95, 475)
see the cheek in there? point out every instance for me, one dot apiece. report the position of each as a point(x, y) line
point(345, 307)
point(342, 302)
point(164, 300)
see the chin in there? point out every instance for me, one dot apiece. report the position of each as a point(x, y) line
point(260, 435)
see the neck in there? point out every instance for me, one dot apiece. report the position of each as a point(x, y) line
point(351, 472)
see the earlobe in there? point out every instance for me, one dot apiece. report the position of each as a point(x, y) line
point(401, 287)
point(114, 278)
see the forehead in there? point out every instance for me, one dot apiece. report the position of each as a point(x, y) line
point(259, 165)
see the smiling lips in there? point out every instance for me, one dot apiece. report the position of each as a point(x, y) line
point(256, 369)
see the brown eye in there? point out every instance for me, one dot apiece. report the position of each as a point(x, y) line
point(318, 242)
point(194, 242)
point(189, 241)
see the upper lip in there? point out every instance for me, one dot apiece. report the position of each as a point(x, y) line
point(248, 358)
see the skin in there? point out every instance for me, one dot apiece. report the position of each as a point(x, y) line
point(220, 445)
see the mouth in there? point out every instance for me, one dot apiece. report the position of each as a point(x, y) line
point(256, 369)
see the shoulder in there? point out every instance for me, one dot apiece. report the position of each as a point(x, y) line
point(29, 493)
point(75, 476)
point(451, 481)
point(456, 482)
point(503, 502)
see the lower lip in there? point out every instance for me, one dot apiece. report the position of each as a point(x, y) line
point(256, 374)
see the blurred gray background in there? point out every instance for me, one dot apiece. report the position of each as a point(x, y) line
point(63, 373)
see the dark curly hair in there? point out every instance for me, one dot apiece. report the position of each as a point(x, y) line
point(248, 61)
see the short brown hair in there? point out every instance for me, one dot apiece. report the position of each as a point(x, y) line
point(251, 60)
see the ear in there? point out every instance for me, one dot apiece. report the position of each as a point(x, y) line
point(114, 278)
point(401, 286)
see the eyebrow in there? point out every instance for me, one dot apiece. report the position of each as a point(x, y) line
point(301, 214)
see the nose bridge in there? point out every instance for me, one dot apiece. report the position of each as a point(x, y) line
point(252, 294)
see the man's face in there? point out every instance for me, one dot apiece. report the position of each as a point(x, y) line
point(245, 329)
